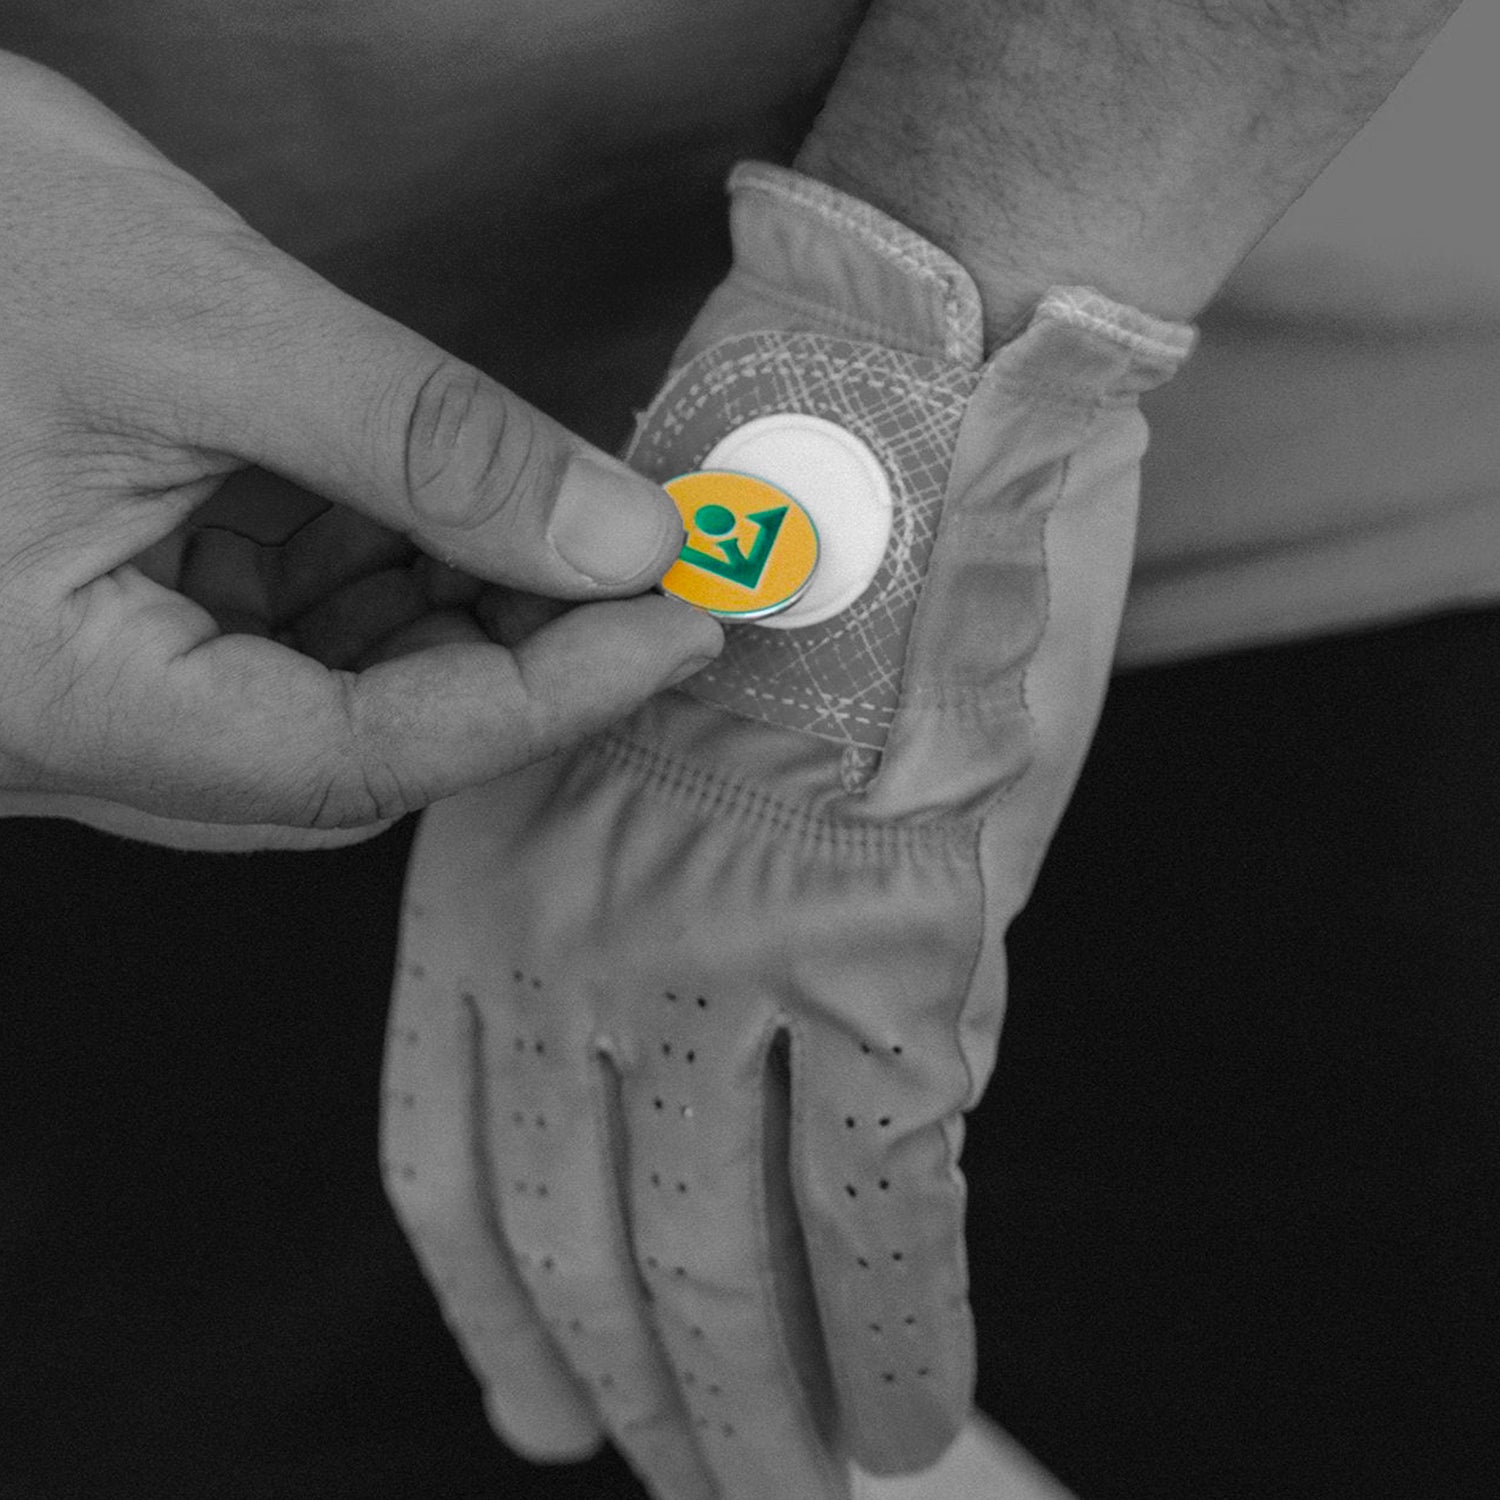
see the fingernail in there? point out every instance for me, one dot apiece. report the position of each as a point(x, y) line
point(612, 525)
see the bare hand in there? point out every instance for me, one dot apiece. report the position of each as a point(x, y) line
point(155, 348)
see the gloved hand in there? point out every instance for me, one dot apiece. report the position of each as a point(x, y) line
point(685, 1023)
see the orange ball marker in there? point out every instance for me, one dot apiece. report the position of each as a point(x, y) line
point(751, 549)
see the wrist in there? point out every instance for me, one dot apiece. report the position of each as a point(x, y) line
point(1008, 291)
point(1136, 148)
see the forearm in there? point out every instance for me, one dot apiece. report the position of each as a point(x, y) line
point(1138, 146)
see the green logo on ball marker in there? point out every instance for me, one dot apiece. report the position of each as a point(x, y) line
point(717, 521)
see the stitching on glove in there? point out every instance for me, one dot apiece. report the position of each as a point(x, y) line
point(892, 240)
point(1156, 338)
point(711, 795)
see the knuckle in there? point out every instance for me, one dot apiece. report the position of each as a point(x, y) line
point(437, 419)
point(360, 786)
point(468, 449)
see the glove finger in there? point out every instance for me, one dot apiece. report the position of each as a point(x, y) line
point(433, 1115)
point(714, 1228)
point(557, 1159)
point(985, 1463)
point(882, 1207)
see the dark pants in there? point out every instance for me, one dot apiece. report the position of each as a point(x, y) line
point(1233, 1188)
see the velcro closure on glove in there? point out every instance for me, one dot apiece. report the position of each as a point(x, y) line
point(835, 310)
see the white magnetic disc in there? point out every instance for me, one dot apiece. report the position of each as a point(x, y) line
point(836, 478)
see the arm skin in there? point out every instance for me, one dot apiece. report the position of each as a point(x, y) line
point(1141, 147)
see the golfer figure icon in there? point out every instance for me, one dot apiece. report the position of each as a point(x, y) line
point(751, 549)
point(718, 521)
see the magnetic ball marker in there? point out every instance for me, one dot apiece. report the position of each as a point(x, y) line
point(751, 549)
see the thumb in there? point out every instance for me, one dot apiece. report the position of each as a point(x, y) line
point(352, 405)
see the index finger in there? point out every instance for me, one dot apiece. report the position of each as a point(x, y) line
point(239, 729)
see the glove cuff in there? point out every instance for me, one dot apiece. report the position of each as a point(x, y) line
point(831, 263)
